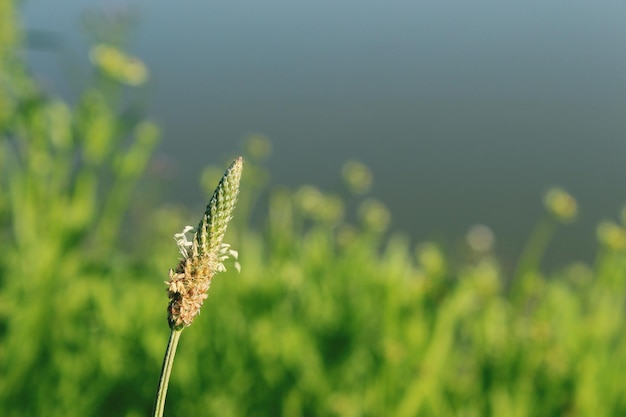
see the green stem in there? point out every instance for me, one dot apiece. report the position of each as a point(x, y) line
point(535, 248)
point(525, 279)
point(168, 361)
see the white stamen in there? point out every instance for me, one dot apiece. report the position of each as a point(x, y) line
point(182, 242)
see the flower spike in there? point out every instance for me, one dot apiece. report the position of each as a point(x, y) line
point(205, 253)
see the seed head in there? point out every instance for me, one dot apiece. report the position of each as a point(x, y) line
point(204, 254)
point(561, 205)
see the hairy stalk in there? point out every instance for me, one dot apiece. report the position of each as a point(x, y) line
point(202, 258)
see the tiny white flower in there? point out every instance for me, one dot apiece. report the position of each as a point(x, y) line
point(182, 242)
point(226, 253)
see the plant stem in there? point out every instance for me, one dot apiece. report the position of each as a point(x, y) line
point(168, 361)
point(535, 248)
point(525, 281)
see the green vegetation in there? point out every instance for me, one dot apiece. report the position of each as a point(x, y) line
point(328, 317)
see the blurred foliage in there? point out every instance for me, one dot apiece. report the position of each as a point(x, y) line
point(327, 318)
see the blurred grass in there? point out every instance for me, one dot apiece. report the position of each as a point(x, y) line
point(329, 316)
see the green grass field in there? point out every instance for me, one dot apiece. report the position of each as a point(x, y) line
point(328, 317)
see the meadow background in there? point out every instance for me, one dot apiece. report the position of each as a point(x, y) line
point(332, 314)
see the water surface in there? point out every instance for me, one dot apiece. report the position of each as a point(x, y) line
point(465, 111)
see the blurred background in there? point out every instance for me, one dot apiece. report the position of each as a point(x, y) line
point(466, 112)
point(431, 219)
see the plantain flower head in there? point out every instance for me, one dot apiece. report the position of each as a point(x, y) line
point(204, 253)
point(118, 65)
